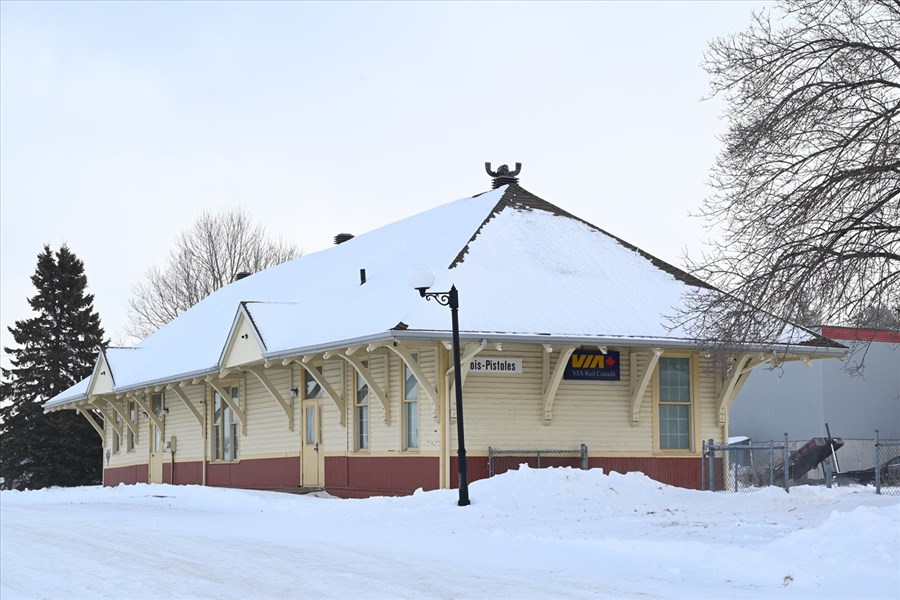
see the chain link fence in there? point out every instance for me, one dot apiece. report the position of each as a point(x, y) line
point(750, 466)
point(743, 467)
point(885, 475)
point(887, 466)
point(501, 461)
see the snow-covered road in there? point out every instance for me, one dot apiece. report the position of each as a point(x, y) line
point(553, 533)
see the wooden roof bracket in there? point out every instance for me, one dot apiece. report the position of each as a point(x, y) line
point(107, 417)
point(327, 388)
point(470, 351)
point(553, 384)
point(148, 409)
point(123, 412)
point(187, 401)
point(373, 386)
point(227, 398)
point(736, 380)
point(287, 407)
point(426, 384)
point(639, 383)
point(92, 421)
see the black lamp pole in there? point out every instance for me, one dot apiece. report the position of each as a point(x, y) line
point(451, 299)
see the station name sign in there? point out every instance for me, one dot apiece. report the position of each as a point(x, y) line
point(593, 365)
point(502, 366)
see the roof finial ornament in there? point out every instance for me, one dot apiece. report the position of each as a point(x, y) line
point(503, 176)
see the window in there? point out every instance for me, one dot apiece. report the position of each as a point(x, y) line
point(157, 404)
point(132, 415)
point(310, 425)
point(312, 387)
point(361, 411)
point(225, 425)
point(674, 403)
point(410, 407)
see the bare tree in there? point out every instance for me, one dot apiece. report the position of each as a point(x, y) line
point(879, 317)
point(206, 257)
point(807, 186)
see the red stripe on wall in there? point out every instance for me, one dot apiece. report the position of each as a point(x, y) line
point(257, 474)
point(364, 476)
point(680, 472)
point(113, 476)
point(260, 474)
point(186, 473)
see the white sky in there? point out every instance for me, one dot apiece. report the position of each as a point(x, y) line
point(121, 122)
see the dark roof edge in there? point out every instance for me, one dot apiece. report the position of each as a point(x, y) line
point(256, 330)
point(516, 196)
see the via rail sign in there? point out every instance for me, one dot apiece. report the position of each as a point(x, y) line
point(593, 365)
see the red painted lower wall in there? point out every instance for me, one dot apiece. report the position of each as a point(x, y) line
point(364, 476)
point(681, 472)
point(259, 474)
point(185, 473)
point(134, 474)
point(262, 473)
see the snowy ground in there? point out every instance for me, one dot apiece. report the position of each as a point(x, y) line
point(553, 533)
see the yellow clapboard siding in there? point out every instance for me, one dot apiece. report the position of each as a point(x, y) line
point(182, 424)
point(507, 410)
point(709, 415)
point(268, 430)
point(334, 435)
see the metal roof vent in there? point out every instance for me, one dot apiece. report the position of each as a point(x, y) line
point(503, 176)
point(342, 237)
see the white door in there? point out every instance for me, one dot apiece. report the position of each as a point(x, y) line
point(157, 441)
point(311, 454)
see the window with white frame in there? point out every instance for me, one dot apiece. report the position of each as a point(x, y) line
point(157, 405)
point(361, 411)
point(675, 403)
point(312, 387)
point(410, 407)
point(225, 425)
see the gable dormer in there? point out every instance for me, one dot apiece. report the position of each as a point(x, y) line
point(244, 345)
point(102, 381)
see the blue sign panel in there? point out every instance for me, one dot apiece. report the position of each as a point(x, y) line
point(593, 365)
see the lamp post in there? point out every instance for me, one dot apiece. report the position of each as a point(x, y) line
point(421, 277)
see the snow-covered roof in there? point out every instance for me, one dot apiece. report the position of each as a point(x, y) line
point(73, 394)
point(524, 269)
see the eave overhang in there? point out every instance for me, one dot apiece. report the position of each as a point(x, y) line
point(817, 351)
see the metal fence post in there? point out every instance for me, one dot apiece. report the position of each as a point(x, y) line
point(584, 457)
point(712, 467)
point(703, 466)
point(539, 459)
point(877, 464)
point(787, 465)
point(490, 462)
point(772, 463)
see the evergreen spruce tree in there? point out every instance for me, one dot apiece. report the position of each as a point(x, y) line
point(56, 349)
